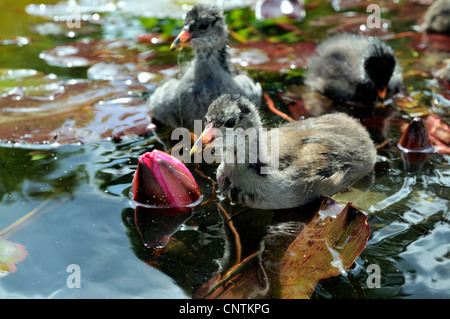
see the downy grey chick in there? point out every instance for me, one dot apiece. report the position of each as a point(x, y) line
point(313, 157)
point(354, 68)
point(179, 102)
point(437, 18)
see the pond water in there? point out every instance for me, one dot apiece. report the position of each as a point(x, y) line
point(69, 203)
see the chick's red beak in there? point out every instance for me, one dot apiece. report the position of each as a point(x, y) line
point(183, 39)
point(382, 93)
point(205, 138)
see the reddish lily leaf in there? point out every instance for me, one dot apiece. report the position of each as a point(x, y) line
point(108, 60)
point(271, 57)
point(82, 54)
point(439, 133)
point(352, 4)
point(85, 112)
point(151, 38)
point(302, 102)
point(351, 22)
point(430, 41)
point(66, 10)
point(53, 28)
point(10, 255)
point(31, 83)
point(327, 246)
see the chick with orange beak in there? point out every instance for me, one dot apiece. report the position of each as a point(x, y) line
point(312, 157)
point(354, 68)
point(181, 101)
point(182, 39)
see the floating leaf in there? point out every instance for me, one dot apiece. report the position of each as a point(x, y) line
point(352, 22)
point(271, 57)
point(66, 10)
point(85, 112)
point(430, 41)
point(439, 133)
point(326, 247)
point(297, 254)
point(61, 29)
point(30, 83)
point(83, 54)
point(10, 255)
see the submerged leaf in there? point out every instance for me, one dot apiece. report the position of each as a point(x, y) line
point(10, 255)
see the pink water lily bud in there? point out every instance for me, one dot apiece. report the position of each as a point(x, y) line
point(162, 180)
point(415, 145)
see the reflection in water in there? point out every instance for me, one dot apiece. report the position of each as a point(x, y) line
point(56, 186)
point(156, 225)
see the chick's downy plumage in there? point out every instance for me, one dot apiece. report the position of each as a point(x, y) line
point(179, 102)
point(308, 158)
point(354, 68)
point(437, 18)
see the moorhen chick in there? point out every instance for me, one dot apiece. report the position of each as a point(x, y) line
point(317, 156)
point(179, 102)
point(355, 69)
point(437, 18)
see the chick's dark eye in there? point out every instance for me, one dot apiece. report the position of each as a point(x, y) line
point(230, 122)
point(204, 25)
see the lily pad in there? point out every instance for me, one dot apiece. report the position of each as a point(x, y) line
point(352, 22)
point(85, 111)
point(271, 57)
point(30, 83)
point(439, 133)
point(83, 54)
point(10, 255)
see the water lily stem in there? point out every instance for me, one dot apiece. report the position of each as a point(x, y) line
point(272, 107)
